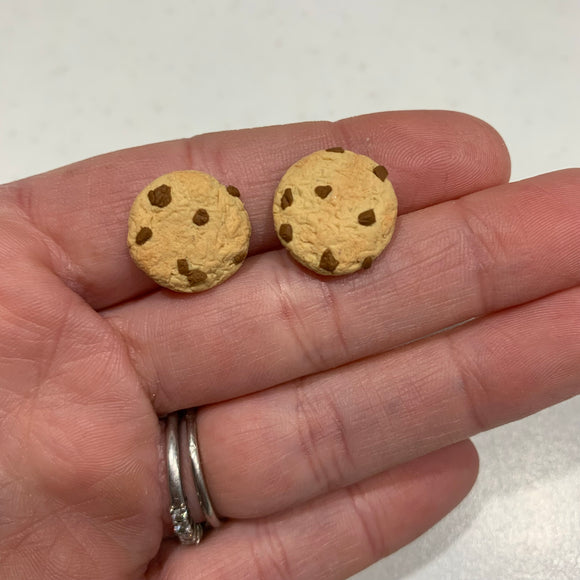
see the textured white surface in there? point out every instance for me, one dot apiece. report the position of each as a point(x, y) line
point(79, 78)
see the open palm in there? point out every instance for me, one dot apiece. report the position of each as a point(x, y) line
point(334, 416)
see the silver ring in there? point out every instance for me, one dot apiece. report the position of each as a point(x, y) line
point(185, 529)
point(198, 479)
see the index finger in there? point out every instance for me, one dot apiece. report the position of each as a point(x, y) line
point(81, 210)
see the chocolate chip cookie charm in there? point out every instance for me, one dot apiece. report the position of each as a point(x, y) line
point(335, 211)
point(188, 232)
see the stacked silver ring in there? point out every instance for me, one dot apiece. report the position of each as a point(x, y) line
point(185, 528)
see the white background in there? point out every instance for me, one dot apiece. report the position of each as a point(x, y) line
point(80, 78)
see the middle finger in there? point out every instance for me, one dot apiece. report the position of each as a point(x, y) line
point(275, 322)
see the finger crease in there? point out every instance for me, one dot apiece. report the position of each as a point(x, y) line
point(481, 256)
point(333, 304)
point(472, 388)
point(362, 510)
point(307, 440)
point(278, 561)
point(290, 314)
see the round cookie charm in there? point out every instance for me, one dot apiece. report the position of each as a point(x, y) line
point(188, 232)
point(335, 211)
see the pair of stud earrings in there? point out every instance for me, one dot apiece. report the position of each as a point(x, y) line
point(334, 211)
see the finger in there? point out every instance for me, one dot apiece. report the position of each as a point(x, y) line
point(273, 322)
point(338, 535)
point(81, 211)
point(275, 449)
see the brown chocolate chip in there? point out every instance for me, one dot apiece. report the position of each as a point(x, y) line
point(285, 232)
point(183, 267)
point(328, 262)
point(367, 263)
point(287, 198)
point(239, 258)
point(143, 235)
point(160, 196)
point(201, 217)
point(233, 190)
point(336, 150)
point(381, 172)
point(367, 218)
point(322, 191)
point(196, 277)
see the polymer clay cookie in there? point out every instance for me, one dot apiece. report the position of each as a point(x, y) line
point(188, 232)
point(335, 211)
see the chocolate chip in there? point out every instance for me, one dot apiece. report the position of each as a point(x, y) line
point(336, 150)
point(233, 190)
point(328, 262)
point(143, 235)
point(239, 258)
point(201, 217)
point(196, 277)
point(183, 267)
point(381, 172)
point(287, 198)
point(367, 263)
point(322, 191)
point(285, 232)
point(160, 196)
point(367, 218)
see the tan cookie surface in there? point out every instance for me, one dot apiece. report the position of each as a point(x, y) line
point(188, 232)
point(335, 211)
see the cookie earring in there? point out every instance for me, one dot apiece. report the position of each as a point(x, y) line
point(188, 232)
point(335, 211)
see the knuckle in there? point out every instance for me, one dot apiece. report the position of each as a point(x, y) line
point(208, 154)
point(368, 519)
point(270, 558)
point(323, 439)
point(311, 316)
point(471, 386)
point(292, 315)
point(483, 249)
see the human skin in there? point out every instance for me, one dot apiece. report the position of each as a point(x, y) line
point(334, 415)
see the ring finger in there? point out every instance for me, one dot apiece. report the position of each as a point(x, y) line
point(274, 449)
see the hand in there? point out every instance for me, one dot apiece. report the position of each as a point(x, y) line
point(330, 434)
